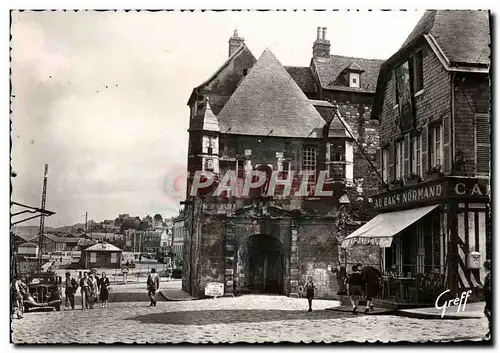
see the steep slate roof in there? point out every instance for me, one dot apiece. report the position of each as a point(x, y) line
point(228, 60)
point(303, 77)
point(463, 35)
point(330, 69)
point(269, 103)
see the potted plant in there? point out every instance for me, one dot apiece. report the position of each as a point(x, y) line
point(435, 171)
point(397, 184)
point(413, 179)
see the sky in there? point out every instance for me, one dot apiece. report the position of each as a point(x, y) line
point(101, 97)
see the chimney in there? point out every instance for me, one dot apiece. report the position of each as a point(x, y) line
point(321, 47)
point(235, 42)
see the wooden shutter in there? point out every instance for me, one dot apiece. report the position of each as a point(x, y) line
point(482, 143)
point(406, 146)
point(378, 161)
point(391, 163)
point(424, 148)
point(447, 157)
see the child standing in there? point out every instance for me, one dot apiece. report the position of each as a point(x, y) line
point(309, 289)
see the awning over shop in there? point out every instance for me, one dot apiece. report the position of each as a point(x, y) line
point(382, 228)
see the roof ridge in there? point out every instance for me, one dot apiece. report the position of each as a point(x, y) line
point(270, 91)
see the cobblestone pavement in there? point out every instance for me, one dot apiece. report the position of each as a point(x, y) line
point(248, 318)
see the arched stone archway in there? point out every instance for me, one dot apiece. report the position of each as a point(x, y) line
point(261, 265)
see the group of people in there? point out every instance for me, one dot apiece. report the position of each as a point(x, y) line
point(362, 282)
point(91, 287)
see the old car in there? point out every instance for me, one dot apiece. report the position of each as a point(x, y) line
point(44, 291)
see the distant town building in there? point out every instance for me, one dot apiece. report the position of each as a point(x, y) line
point(178, 236)
point(102, 255)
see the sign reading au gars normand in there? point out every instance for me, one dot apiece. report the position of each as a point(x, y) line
point(432, 191)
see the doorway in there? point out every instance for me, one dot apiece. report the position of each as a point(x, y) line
point(264, 264)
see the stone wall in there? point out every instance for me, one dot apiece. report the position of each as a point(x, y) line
point(317, 247)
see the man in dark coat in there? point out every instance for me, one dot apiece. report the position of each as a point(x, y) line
point(371, 279)
point(71, 286)
point(341, 276)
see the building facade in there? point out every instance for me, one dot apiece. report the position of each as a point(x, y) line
point(143, 241)
point(433, 105)
point(102, 255)
point(178, 237)
point(260, 116)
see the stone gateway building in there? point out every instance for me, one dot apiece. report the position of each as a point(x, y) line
point(256, 115)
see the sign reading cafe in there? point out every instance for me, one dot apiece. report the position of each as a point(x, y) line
point(405, 196)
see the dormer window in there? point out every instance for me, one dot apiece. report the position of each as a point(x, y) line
point(352, 75)
point(353, 80)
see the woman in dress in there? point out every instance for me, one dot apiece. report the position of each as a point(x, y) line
point(104, 290)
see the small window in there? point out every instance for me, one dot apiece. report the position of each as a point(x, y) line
point(337, 151)
point(437, 146)
point(240, 168)
point(93, 257)
point(354, 80)
point(416, 155)
point(418, 72)
point(245, 72)
point(309, 160)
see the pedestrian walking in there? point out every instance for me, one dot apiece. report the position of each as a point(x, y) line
point(17, 290)
point(85, 288)
point(104, 287)
point(355, 287)
point(488, 296)
point(371, 281)
point(341, 275)
point(153, 283)
point(309, 289)
point(94, 290)
point(71, 286)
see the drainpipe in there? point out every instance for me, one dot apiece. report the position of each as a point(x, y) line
point(452, 127)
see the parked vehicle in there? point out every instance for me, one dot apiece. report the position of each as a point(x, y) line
point(177, 273)
point(44, 291)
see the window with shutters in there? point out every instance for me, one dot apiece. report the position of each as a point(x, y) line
point(309, 160)
point(385, 165)
point(482, 144)
point(416, 155)
point(240, 168)
point(399, 158)
point(436, 146)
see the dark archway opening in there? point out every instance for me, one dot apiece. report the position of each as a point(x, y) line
point(264, 265)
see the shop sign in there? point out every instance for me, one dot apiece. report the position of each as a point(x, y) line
point(400, 197)
point(448, 188)
point(470, 189)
